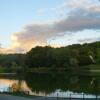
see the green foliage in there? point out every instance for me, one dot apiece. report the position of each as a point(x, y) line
point(11, 60)
point(39, 57)
point(70, 57)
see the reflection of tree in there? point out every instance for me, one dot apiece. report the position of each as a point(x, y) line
point(95, 85)
point(17, 87)
point(49, 83)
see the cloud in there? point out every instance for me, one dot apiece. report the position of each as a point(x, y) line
point(41, 12)
point(89, 40)
point(81, 15)
point(7, 50)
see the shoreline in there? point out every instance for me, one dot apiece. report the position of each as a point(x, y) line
point(13, 97)
point(8, 73)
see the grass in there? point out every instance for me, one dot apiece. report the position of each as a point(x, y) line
point(93, 69)
point(10, 70)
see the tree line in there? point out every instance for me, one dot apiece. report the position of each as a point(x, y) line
point(72, 56)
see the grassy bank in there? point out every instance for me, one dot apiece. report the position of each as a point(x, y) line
point(93, 69)
point(9, 70)
point(83, 70)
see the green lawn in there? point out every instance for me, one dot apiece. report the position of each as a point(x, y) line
point(94, 69)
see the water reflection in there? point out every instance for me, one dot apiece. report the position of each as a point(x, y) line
point(50, 84)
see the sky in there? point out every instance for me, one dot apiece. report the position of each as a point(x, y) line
point(29, 23)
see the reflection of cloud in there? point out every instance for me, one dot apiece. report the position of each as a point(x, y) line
point(5, 83)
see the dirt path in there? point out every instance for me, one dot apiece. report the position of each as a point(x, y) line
point(9, 97)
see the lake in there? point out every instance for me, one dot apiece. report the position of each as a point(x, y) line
point(52, 84)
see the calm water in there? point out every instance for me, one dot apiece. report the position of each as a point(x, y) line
point(53, 85)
